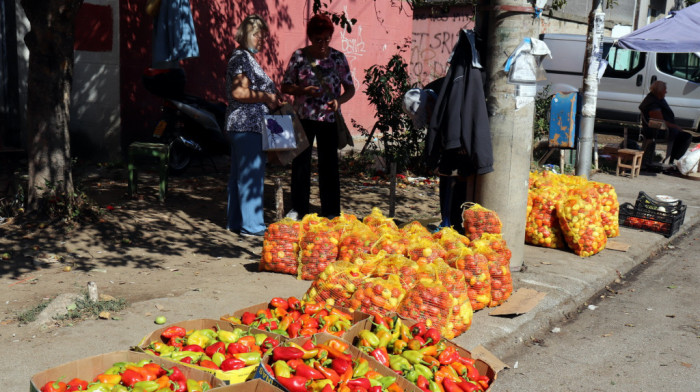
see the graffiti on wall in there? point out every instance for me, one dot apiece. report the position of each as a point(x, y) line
point(353, 48)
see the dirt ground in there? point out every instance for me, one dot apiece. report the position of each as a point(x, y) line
point(141, 249)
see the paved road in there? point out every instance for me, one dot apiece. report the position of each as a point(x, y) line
point(641, 335)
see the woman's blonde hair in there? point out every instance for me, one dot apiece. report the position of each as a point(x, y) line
point(249, 26)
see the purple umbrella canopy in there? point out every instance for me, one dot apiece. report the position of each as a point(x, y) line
point(679, 32)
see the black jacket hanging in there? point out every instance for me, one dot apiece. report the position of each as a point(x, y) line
point(460, 119)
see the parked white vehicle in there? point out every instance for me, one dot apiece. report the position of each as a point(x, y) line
point(626, 79)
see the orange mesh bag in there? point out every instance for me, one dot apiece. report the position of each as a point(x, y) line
point(377, 221)
point(456, 285)
point(475, 268)
point(478, 220)
point(355, 238)
point(368, 261)
point(281, 247)
point(336, 284)
point(579, 213)
point(391, 242)
point(424, 250)
point(405, 268)
point(450, 238)
point(542, 226)
point(499, 272)
point(312, 219)
point(415, 230)
point(429, 301)
point(381, 295)
point(318, 247)
point(497, 243)
point(610, 208)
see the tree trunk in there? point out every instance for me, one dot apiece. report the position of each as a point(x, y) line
point(50, 43)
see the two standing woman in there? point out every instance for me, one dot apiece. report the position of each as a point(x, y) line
point(314, 77)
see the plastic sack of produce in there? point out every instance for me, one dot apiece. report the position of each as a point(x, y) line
point(336, 284)
point(456, 285)
point(344, 220)
point(381, 295)
point(391, 242)
point(450, 238)
point(478, 220)
point(610, 208)
point(429, 301)
point(415, 230)
point(318, 247)
point(579, 213)
point(499, 272)
point(474, 266)
point(424, 250)
point(542, 227)
point(378, 222)
point(368, 261)
point(281, 247)
point(405, 268)
point(309, 220)
point(355, 239)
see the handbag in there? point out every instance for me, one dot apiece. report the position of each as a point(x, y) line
point(278, 133)
point(286, 157)
point(344, 136)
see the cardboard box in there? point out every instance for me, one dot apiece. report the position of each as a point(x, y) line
point(88, 368)
point(249, 386)
point(485, 362)
point(263, 374)
point(231, 376)
point(357, 316)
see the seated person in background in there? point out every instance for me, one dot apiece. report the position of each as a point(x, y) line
point(654, 106)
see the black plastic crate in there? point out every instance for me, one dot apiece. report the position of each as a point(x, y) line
point(663, 222)
point(645, 201)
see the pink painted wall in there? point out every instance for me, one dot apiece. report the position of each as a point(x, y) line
point(434, 35)
point(380, 29)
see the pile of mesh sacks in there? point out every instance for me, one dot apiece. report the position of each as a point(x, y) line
point(566, 211)
point(374, 266)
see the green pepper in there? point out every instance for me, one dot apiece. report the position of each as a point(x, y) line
point(413, 356)
point(280, 332)
point(119, 388)
point(99, 387)
point(411, 375)
point(251, 358)
point(208, 332)
point(441, 345)
point(374, 383)
point(228, 336)
point(193, 386)
point(433, 386)
point(370, 337)
point(199, 339)
point(361, 369)
point(386, 381)
point(424, 371)
point(148, 386)
point(180, 355)
point(115, 369)
point(217, 358)
point(399, 363)
point(281, 369)
point(260, 338)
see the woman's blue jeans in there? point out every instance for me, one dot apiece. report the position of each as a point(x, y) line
point(246, 183)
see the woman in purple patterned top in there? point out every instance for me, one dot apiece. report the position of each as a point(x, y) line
point(319, 78)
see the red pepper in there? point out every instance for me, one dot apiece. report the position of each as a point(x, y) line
point(465, 360)
point(218, 347)
point(247, 318)
point(208, 364)
point(232, 364)
point(321, 313)
point(54, 386)
point(268, 344)
point(173, 332)
point(286, 353)
point(328, 388)
point(308, 345)
point(237, 348)
point(467, 386)
point(432, 335)
point(483, 381)
point(381, 355)
point(131, 377)
point(308, 372)
point(295, 314)
point(294, 329)
point(420, 340)
point(472, 372)
point(450, 386)
point(327, 373)
point(193, 347)
point(293, 384)
point(379, 319)
point(378, 388)
point(418, 329)
point(278, 302)
point(340, 365)
point(294, 303)
point(268, 326)
point(186, 360)
point(312, 307)
point(176, 342)
point(359, 382)
point(179, 378)
point(422, 382)
point(334, 353)
point(76, 384)
point(448, 355)
point(264, 314)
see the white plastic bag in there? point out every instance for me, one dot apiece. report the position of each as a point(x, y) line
point(688, 163)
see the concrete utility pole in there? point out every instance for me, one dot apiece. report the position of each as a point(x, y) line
point(505, 189)
point(594, 52)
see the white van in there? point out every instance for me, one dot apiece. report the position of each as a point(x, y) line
point(627, 78)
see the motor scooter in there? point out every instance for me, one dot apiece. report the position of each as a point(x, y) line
point(192, 127)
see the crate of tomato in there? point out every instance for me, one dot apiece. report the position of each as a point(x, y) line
point(653, 215)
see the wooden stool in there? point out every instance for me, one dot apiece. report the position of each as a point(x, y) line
point(629, 159)
point(149, 150)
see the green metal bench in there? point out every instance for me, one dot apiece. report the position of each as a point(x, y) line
point(140, 152)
